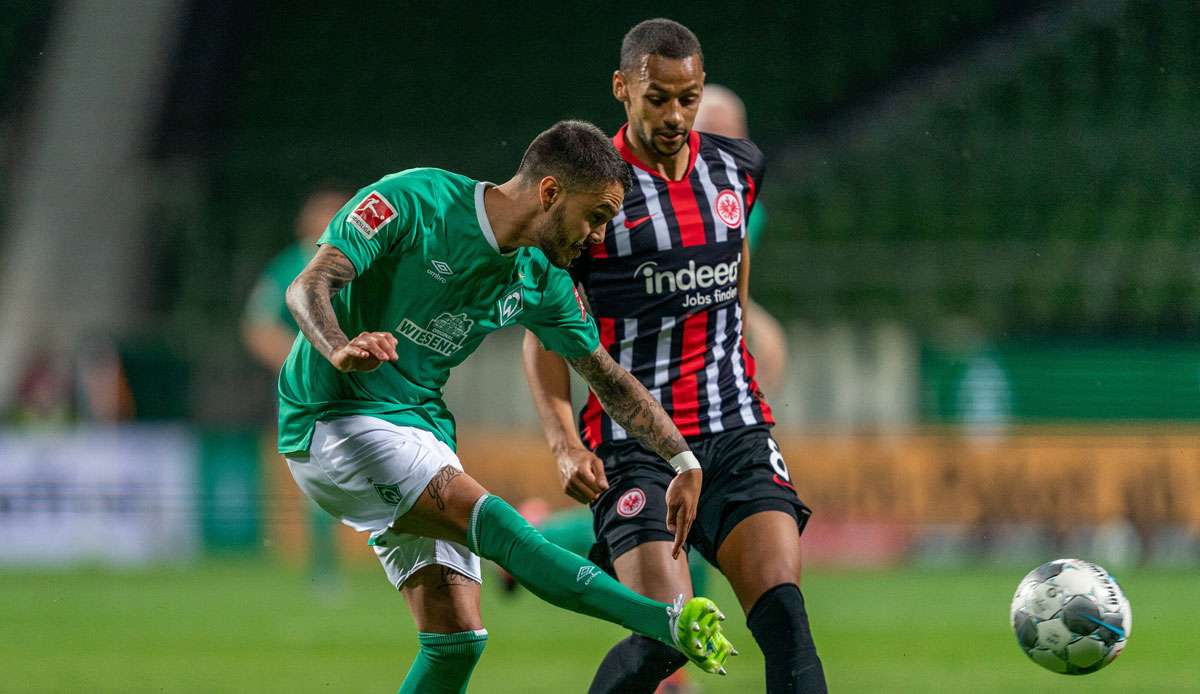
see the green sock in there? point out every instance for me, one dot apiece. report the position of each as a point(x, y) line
point(444, 663)
point(572, 530)
point(499, 533)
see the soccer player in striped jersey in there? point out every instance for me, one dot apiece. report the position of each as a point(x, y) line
point(667, 285)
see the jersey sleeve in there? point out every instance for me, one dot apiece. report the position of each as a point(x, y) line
point(560, 320)
point(377, 221)
point(756, 163)
point(750, 161)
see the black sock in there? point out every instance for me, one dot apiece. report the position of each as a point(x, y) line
point(635, 666)
point(780, 625)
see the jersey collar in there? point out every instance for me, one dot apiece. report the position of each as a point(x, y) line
point(627, 154)
point(481, 216)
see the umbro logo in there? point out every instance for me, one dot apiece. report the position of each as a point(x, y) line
point(439, 271)
point(586, 574)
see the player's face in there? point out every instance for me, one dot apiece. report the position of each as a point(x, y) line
point(661, 98)
point(577, 219)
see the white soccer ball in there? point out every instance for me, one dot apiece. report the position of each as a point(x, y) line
point(1071, 617)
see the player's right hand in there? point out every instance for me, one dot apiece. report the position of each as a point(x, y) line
point(582, 474)
point(365, 352)
point(683, 497)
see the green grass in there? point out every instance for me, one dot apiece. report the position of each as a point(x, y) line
point(250, 626)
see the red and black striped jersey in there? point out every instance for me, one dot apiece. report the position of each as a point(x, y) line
point(663, 287)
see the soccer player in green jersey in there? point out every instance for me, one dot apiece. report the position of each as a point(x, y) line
point(418, 268)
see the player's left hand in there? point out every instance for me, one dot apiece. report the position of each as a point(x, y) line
point(365, 352)
point(683, 496)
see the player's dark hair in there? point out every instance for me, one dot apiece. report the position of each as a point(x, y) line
point(576, 153)
point(662, 37)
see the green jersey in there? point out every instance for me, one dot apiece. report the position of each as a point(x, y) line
point(430, 272)
point(267, 304)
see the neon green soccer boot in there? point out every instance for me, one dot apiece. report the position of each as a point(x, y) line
point(696, 629)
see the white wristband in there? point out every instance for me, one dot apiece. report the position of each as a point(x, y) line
point(682, 462)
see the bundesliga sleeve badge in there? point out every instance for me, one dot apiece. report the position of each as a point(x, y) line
point(579, 302)
point(371, 214)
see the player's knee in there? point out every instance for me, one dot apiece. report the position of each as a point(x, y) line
point(760, 553)
point(767, 580)
point(752, 583)
point(784, 598)
point(460, 650)
point(444, 508)
point(780, 613)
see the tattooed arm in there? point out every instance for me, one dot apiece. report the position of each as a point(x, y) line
point(629, 404)
point(582, 473)
point(310, 299)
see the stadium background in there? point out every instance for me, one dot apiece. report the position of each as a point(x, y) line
point(982, 243)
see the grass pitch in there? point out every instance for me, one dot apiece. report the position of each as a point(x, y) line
point(251, 626)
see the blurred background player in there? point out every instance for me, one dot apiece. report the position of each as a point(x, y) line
point(268, 331)
point(667, 284)
point(722, 113)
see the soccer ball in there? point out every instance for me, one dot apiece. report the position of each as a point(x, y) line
point(1071, 617)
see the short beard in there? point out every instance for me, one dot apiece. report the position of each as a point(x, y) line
point(682, 142)
point(648, 138)
point(552, 239)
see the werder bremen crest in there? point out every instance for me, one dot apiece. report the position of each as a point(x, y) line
point(444, 334)
point(390, 493)
point(509, 306)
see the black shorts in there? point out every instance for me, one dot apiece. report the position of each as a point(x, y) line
point(744, 474)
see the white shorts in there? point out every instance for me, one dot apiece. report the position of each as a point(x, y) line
point(368, 473)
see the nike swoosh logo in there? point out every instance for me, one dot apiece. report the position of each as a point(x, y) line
point(783, 483)
point(630, 224)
